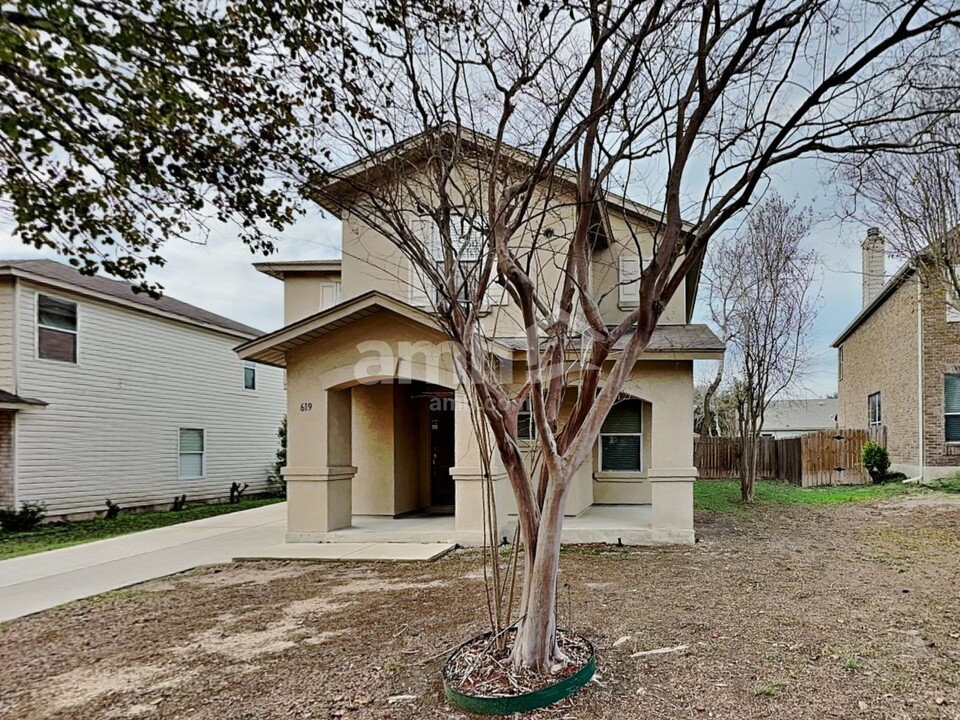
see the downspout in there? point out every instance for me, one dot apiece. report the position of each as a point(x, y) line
point(920, 376)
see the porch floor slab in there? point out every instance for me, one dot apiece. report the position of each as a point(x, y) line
point(353, 552)
point(613, 524)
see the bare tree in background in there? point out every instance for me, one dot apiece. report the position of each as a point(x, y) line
point(689, 103)
point(913, 196)
point(762, 291)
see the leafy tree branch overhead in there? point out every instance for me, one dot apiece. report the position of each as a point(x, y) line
point(128, 123)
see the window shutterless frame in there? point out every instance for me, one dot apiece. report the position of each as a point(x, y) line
point(526, 428)
point(56, 317)
point(874, 409)
point(249, 375)
point(951, 408)
point(187, 447)
point(631, 409)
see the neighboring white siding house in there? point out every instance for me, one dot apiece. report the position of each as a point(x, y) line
point(156, 404)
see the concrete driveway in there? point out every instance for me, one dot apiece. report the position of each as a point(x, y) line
point(44, 580)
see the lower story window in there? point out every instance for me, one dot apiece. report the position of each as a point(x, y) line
point(621, 438)
point(192, 448)
point(874, 409)
point(951, 408)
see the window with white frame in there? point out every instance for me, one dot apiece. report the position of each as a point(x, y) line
point(874, 409)
point(249, 375)
point(621, 438)
point(56, 329)
point(952, 302)
point(526, 428)
point(192, 453)
point(840, 362)
point(628, 279)
point(951, 408)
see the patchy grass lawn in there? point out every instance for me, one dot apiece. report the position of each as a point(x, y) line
point(788, 612)
point(58, 535)
point(724, 495)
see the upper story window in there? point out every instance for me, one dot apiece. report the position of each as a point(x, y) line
point(952, 302)
point(249, 375)
point(56, 329)
point(951, 408)
point(466, 241)
point(621, 438)
point(192, 453)
point(628, 279)
point(875, 409)
point(526, 429)
point(840, 362)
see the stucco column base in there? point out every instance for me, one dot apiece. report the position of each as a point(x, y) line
point(318, 500)
point(671, 500)
point(471, 495)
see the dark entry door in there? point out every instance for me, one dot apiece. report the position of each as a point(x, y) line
point(441, 454)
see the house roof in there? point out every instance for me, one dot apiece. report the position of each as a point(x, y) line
point(271, 349)
point(666, 339)
point(55, 274)
point(810, 414)
point(9, 401)
point(282, 268)
point(889, 288)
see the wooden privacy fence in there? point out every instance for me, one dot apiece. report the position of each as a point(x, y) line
point(828, 457)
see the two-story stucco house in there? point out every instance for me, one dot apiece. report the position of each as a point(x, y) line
point(899, 367)
point(105, 393)
point(387, 451)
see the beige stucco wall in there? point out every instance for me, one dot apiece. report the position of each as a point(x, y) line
point(881, 356)
point(305, 293)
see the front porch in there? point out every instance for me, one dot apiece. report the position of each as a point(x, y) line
point(616, 524)
point(383, 446)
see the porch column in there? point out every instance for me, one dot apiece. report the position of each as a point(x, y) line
point(671, 474)
point(471, 489)
point(319, 474)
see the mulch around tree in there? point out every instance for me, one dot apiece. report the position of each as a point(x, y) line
point(785, 612)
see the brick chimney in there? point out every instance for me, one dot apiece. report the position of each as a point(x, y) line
point(874, 265)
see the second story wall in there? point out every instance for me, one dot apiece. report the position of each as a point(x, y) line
point(7, 343)
point(881, 357)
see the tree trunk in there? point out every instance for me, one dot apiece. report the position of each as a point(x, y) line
point(536, 644)
point(748, 468)
point(707, 428)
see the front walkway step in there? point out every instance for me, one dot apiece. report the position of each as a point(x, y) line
point(352, 552)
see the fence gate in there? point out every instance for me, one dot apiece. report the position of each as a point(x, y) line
point(832, 457)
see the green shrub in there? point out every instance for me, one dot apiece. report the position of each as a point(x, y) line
point(26, 518)
point(948, 484)
point(275, 476)
point(875, 459)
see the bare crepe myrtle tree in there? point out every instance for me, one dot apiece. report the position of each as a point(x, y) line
point(686, 103)
point(913, 196)
point(762, 290)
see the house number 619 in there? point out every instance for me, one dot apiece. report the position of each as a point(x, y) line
point(306, 407)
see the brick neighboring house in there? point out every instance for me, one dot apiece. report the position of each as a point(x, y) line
point(899, 366)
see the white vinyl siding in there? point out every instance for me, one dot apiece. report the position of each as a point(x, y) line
point(112, 423)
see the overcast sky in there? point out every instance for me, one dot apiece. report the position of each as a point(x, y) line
point(218, 275)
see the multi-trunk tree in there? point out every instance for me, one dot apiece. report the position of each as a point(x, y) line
point(688, 104)
point(762, 293)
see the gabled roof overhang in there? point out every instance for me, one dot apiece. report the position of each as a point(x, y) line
point(272, 349)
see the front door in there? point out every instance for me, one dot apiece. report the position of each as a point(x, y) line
point(441, 453)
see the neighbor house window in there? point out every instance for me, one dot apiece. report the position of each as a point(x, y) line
point(56, 329)
point(951, 408)
point(840, 362)
point(621, 438)
point(192, 447)
point(526, 429)
point(628, 279)
point(249, 375)
point(873, 404)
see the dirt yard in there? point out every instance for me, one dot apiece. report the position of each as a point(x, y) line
point(786, 612)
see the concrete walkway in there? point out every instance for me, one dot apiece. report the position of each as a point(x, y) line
point(41, 581)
